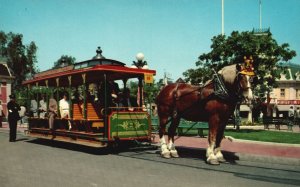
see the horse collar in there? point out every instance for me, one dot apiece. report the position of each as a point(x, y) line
point(219, 87)
point(221, 91)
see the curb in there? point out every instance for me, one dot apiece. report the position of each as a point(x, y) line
point(247, 157)
point(268, 159)
point(232, 139)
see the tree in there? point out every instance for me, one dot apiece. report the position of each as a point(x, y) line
point(21, 59)
point(64, 60)
point(150, 90)
point(266, 52)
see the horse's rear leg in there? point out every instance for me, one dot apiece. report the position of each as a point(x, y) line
point(171, 134)
point(162, 130)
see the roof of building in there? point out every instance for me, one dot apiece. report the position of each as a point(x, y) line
point(4, 71)
point(180, 80)
point(293, 70)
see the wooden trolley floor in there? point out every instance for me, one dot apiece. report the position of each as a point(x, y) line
point(78, 137)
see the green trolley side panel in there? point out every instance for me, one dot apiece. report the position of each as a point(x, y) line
point(129, 125)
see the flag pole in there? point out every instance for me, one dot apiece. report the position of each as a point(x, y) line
point(222, 17)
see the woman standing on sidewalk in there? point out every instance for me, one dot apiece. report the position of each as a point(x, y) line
point(13, 117)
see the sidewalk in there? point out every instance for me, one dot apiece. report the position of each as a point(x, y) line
point(247, 150)
point(20, 128)
point(244, 149)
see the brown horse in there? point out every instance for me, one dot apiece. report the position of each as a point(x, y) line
point(214, 103)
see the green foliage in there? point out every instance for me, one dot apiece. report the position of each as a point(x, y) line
point(264, 49)
point(150, 91)
point(21, 59)
point(64, 60)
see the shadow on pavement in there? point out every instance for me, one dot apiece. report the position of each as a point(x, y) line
point(21, 139)
point(269, 179)
point(124, 147)
point(199, 153)
point(70, 146)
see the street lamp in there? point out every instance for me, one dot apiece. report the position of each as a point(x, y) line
point(140, 63)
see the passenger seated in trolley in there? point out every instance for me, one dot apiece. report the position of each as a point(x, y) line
point(52, 114)
point(33, 107)
point(43, 106)
point(64, 109)
point(77, 99)
point(112, 96)
point(128, 101)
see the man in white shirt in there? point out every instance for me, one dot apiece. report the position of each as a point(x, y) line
point(33, 107)
point(64, 109)
point(43, 107)
point(22, 114)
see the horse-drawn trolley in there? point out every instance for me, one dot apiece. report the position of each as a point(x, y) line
point(85, 105)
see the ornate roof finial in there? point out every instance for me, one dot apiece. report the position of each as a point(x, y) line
point(99, 54)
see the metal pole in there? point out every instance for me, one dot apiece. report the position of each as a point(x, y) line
point(38, 100)
point(105, 108)
point(222, 17)
point(84, 96)
point(57, 96)
point(140, 87)
point(260, 16)
point(70, 97)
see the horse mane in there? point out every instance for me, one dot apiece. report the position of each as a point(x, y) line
point(229, 73)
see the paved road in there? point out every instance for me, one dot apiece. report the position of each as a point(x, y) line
point(32, 162)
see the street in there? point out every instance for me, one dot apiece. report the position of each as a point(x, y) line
point(34, 162)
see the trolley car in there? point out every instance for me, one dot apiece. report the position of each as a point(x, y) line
point(95, 116)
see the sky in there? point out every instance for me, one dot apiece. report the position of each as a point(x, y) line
point(172, 34)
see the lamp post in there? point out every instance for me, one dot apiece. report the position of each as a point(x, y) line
point(140, 63)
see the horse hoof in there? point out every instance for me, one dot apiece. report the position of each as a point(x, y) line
point(166, 154)
point(213, 162)
point(174, 154)
point(221, 159)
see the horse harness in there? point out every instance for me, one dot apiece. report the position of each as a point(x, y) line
point(220, 92)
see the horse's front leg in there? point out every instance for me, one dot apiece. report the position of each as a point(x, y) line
point(210, 152)
point(219, 138)
point(164, 151)
point(171, 133)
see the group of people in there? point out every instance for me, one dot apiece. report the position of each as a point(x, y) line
point(294, 114)
point(121, 99)
point(14, 111)
point(118, 98)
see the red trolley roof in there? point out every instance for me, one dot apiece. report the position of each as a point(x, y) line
point(93, 70)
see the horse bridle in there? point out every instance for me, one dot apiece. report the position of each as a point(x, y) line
point(240, 90)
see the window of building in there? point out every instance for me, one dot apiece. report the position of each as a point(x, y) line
point(297, 93)
point(282, 92)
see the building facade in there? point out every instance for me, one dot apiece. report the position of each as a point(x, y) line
point(284, 96)
point(287, 93)
point(5, 85)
